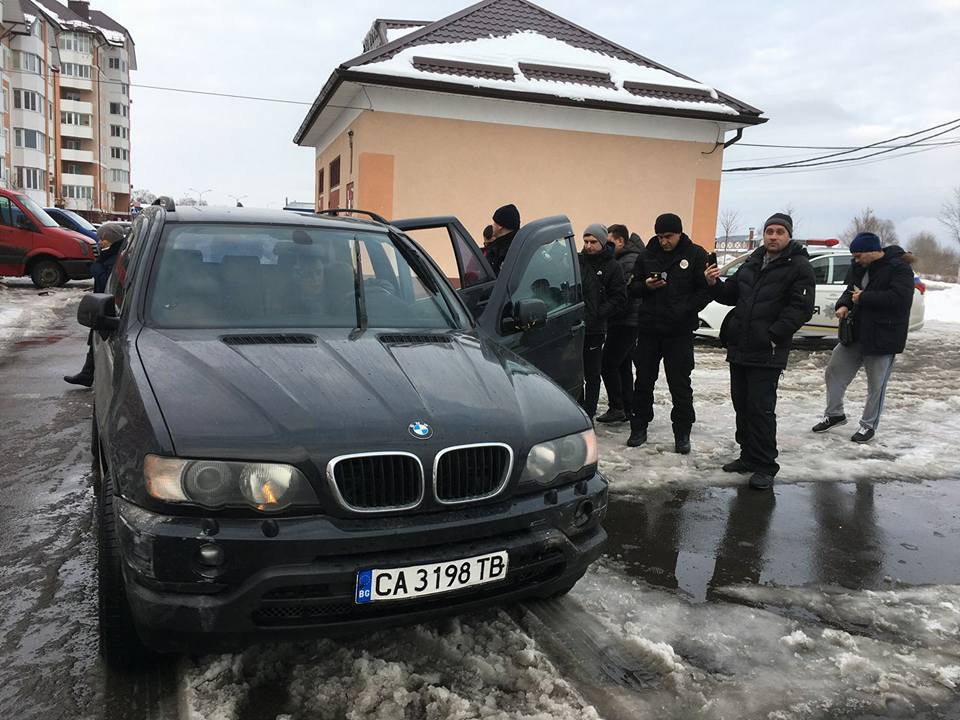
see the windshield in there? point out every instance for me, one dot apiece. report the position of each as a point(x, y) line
point(39, 214)
point(274, 276)
point(79, 220)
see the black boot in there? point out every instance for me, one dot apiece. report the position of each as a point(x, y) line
point(638, 433)
point(681, 441)
point(613, 415)
point(85, 376)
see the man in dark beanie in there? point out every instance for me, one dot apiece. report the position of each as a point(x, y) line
point(604, 297)
point(668, 278)
point(773, 294)
point(506, 222)
point(110, 236)
point(877, 301)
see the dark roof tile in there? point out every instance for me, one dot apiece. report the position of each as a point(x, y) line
point(575, 76)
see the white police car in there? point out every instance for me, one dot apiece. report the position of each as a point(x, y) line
point(830, 264)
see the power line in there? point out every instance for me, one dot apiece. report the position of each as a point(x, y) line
point(825, 159)
point(812, 147)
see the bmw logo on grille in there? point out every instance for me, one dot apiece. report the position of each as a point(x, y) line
point(420, 430)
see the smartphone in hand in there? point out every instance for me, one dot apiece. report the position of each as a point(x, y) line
point(711, 259)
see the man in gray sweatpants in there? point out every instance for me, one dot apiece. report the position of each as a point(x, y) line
point(877, 300)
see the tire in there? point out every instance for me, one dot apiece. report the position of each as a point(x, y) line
point(48, 273)
point(120, 645)
point(96, 471)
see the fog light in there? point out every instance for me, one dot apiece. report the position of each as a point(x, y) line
point(211, 556)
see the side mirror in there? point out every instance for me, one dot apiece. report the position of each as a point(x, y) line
point(98, 312)
point(529, 314)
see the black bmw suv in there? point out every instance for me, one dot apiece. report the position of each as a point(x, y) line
point(300, 427)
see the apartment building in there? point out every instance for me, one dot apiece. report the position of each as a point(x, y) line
point(65, 76)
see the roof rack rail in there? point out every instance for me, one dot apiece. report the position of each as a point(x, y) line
point(166, 202)
point(337, 211)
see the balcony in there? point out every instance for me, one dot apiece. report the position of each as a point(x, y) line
point(85, 156)
point(122, 188)
point(76, 131)
point(71, 179)
point(75, 82)
point(84, 108)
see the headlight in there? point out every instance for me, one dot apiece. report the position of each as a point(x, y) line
point(268, 487)
point(84, 247)
point(569, 454)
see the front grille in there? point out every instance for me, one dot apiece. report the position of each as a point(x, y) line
point(397, 339)
point(277, 339)
point(472, 472)
point(378, 482)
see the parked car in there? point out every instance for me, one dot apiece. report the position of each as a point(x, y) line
point(72, 221)
point(301, 427)
point(31, 243)
point(830, 265)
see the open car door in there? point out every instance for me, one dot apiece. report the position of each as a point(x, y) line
point(536, 307)
point(447, 241)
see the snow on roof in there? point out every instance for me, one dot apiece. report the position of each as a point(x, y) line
point(395, 33)
point(111, 36)
point(521, 50)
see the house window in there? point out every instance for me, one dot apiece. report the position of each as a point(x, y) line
point(78, 192)
point(118, 131)
point(335, 173)
point(113, 63)
point(71, 169)
point(118, 153)
point(320, 181)
point(27, 61)
point(71, 144)
point(124, 89)
point(74, 118)
point(118, 109)
point(26, 138)
point(30, 178)
point(27, 100)
point(70, 95)
point(121, 176)
point(75, 70)
point(77, 42)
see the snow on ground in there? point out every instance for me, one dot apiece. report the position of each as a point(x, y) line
point(733, 661)
point(942, 302)
point(916, 438)
point(482, 666)
point(26, 313)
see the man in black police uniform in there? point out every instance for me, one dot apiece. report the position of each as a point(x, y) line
point(773, 292)
point(506, 222)
point(669, 280)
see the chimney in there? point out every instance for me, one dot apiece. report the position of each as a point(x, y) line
point(80, 7)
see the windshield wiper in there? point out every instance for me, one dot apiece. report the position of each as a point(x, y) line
point(360, 298)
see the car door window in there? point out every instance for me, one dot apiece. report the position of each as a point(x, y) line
point(122, 276)
point(550, 276)
point(474, 273)
point(840, 268)
point(821, 270)
point(6, 211)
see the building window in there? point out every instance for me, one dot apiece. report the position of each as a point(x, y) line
point(118, 131)
point(78, 42)
point(113, 63)
point(30, 178)
point(119, 176)
point(27, 61)
point(71, 144)
point(78, 192)
point(71, 95)
point(118, 109)
point(320, 181)
point(35, 29)
point(71, 169)
point(75, 70)
point(74, 118)
point(26, 138)
point(118, 153)
point(27, 100)
point(335, 173)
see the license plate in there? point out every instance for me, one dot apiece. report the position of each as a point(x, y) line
point(433, 579)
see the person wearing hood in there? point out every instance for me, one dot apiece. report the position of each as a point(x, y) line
point(506, 223)
point(773, 295)
point(604, 297)
point(669, 280)
point(110, 237)
point(877, 302)
point(621, 341)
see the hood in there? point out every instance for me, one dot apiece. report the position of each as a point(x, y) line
point(633, 246)
point(895, 252)
point(341, 395)
point(653, 246)
point(66, 234)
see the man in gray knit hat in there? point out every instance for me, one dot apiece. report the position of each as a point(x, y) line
point(604, 296)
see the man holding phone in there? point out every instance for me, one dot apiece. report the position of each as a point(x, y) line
point(669, 280)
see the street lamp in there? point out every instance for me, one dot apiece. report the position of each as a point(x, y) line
point(199, 194)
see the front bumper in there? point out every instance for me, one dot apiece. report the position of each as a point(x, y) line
point(286, 577)
point(77, 269)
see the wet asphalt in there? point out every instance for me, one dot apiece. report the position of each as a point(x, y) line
point(692, 542)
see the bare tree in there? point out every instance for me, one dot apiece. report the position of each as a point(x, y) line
point(950, 216)
point(791, 210)
point(867, 221)
point(933, 259)
point(187, 201)
point(144, 197)
point(729, 223)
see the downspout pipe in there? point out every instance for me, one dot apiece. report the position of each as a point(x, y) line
point(735, 138)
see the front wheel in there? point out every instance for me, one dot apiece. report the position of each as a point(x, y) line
point(120, 645)
point(48, 273)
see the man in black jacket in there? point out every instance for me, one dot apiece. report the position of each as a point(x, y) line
point(773, 292)
point(604, 296)
point(110, 237)
point(668, 278)
point(621, 340)
point(878, 298)
point(506, 222)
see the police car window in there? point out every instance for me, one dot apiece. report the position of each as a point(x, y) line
point(841, 266)
point(821, 270)
point(550, 276)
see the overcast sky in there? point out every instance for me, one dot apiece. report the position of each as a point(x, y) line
point(824, 73)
